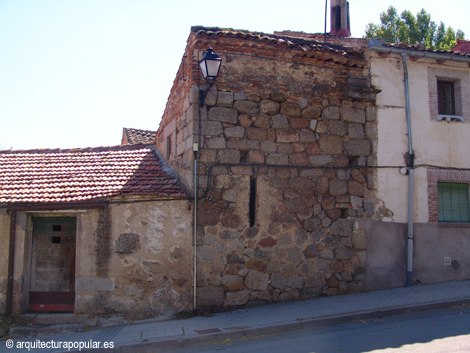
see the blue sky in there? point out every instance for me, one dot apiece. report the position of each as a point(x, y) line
point(73, 73)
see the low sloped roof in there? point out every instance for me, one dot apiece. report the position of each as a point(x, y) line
point(77, 175)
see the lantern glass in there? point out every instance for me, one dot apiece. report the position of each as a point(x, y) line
point(210, 65)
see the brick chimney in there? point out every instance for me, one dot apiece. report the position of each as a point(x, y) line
point(339, 10)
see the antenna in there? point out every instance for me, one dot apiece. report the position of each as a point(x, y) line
point(324, 33)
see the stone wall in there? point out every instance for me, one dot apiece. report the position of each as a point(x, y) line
point(286, 140)
point(144, 267)
point(285, 199)
point(132, 259)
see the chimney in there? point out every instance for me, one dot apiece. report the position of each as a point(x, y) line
point(339, 11)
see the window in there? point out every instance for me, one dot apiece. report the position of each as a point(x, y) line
point(452, 202)
point(446, 97)
point(449, 89)
point(168, 147)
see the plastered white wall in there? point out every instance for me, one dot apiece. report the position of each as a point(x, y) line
point(435, 143)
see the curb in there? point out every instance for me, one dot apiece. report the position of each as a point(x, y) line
point(300, 324)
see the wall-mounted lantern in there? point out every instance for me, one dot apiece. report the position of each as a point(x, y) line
point(210, 65)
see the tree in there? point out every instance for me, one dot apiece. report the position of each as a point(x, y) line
point(413, 29)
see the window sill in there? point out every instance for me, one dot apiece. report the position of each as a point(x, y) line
point(453, 225)
point(449, 118)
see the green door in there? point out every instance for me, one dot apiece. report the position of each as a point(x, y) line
point(53, 264)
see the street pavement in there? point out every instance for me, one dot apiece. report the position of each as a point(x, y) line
point(159, 336)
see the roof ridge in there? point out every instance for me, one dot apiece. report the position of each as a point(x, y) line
point(135, 146)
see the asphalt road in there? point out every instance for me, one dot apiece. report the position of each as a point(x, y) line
point(443, 331)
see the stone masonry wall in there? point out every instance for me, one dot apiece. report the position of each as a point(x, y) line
point(310, 203)
point(286, 138)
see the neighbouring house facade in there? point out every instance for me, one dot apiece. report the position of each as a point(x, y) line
point(93, 231)
point(439, 106)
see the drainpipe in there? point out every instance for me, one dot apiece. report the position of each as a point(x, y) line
point(195, 150)
point(11, 261)
point(411, 182)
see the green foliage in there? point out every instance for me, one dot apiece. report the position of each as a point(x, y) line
point(412, 29)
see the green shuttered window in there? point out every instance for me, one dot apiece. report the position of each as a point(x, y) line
point(453, 202)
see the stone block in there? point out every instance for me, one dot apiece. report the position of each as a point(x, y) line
point(296, 282)
point(337, 128)
point(320, 160)
point(337, 187)
point(311, 251)
point(211, 128)
point(357, 148)
point(224, 115)
point(287, 135)
point(262, 121)
point(355, 189)
point(278, 281)
point(277, 97)
point(255, 264)
point(312, 112)
point(277, 159)
point(232, 282)
point(245, 120)
point(225, 99)
point(210, 296)
point(257, 280)
point(342, 227)
point(232, 220)
point(291, 109)
point(371, 113)
point(237, 298)
point(307, 136)
point(354, 115)
point(239, 96)
point(326, 254)
point(355, 131)
point(312, 224)
point(331, 144)
point(229, 156)
point(269, 107)
point(255, 156)
point(268, 242)
point(313, 124)
point(268, 146)
point(299, 159)
point(216, 143)
point(330, 113)
point(256, 133)
point(279, 121)
point(246, 107)
point(299, 123)
point(211, 97)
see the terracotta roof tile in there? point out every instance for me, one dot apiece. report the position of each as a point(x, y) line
point(422, 48)
point(84, 174)
point(295, 42)
point(139, 136)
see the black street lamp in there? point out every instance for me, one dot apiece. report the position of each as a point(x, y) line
point(210, 65)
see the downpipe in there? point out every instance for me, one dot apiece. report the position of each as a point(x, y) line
point(411, 182)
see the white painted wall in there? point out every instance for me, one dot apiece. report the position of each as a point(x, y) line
point(436, 143)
